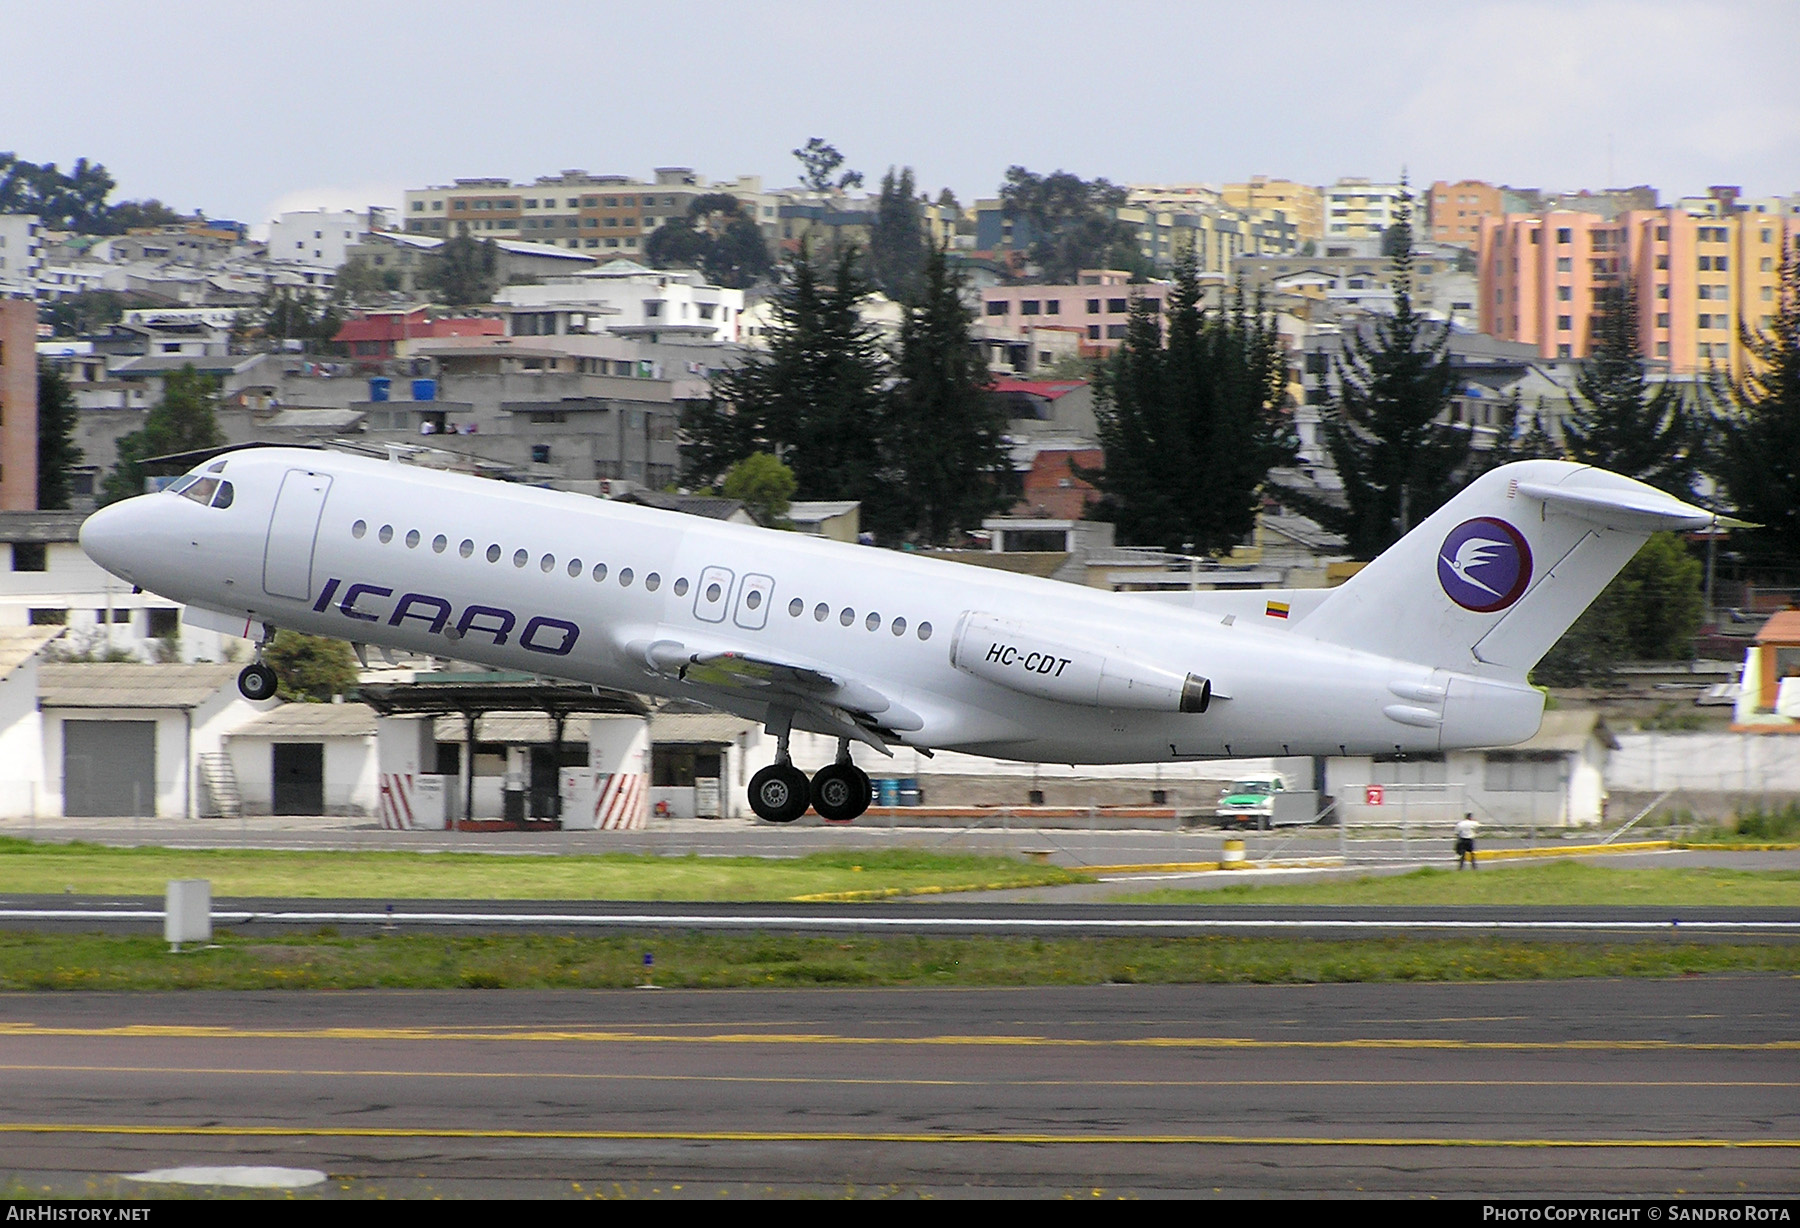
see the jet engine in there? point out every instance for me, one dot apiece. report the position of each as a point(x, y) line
point(1020, 658)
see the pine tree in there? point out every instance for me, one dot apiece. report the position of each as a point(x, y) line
point(57, 452)
point(813, 399)
point(1759, 452)
point(1617, 421)
point(1398, 463)
point(897, 247)
point(945, 436)
point(1191, 429)
point(182, 421)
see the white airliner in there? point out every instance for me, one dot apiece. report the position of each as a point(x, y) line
point(1426, 649)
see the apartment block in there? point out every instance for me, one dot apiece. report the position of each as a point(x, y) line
point(1095, 310)
point(600, 213)
point(18, 405)
point(1697, 277)
point(1302, 204)
point(1455, 210)
point(1362, 209)
point(21, 252)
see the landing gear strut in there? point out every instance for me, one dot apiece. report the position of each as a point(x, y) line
point(256, 680)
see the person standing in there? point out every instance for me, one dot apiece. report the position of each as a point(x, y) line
point(1465, 842)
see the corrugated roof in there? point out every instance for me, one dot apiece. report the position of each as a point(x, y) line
point(1569, 730)
point(518, 728)
point(129, 685)
point(41, 526)
point(1782, 628)
point(19, 644)
point(348, 720)
point(716, 728)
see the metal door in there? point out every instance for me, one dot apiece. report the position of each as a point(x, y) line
point(299, 778)
point(293, 528)
point(109, 768)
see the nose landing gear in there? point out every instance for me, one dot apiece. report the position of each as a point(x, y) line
point(257, 681)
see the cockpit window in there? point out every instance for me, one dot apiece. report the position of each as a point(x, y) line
point(207, 492)
point(183, 482)
point(202, 491)
point(216, 467)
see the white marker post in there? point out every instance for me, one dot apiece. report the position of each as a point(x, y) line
point(187, 912)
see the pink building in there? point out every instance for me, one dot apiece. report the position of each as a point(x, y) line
point(1097, 308)
point(18, 405)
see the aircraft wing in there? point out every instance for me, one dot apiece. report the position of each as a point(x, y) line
point(846, 706)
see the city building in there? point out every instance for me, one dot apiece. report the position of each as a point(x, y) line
point(21, 253)
point(18, 404)
point(1361, 209)
point(1098, 306)
point(626, 299)
point(1300, 203)
point(1455, 210)
point(319, 238)
point(612, 214)
point(1698, 276)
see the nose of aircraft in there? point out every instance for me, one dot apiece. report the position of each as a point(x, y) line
point(108, 538)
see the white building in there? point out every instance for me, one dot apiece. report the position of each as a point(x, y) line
point(21, 253)
point(628, 300)
point(317, 238)
point(1358, 208)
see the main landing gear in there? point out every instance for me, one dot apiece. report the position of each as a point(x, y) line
point(780, 793)
point(256, 680)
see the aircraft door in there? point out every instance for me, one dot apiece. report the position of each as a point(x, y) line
point(293, 528)
point(712, 594)
point(753, 602)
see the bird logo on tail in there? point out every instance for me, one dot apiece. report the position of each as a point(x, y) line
point(1484, 565)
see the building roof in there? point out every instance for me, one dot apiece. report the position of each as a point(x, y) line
point(697, 728)
point(129, 684)
point(1569, 729)
point(299, 720)
point(1782, 628)
point(1049, 389)
point(416, 325)
point(810, 511)
point(317, 419)
point(41, 526)
point(19, 644)
point(710, 506)
point(1040, 563)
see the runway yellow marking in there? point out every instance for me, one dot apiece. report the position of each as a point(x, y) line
point(600, 1036)
point(602, 1076)
point(877, 1136)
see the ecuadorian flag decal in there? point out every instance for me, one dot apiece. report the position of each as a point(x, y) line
point(1276, 609)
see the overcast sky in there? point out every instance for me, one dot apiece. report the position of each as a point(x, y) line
point(244, 108)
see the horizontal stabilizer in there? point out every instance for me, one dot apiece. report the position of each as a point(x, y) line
point(1637, 507)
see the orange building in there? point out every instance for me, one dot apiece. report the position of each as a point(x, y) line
point(1696, 278)
point(18, 405)
point(1457, 209)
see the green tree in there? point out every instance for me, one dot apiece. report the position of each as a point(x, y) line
point(764, 485)
point(1067, 224)
point(464, 271)
point(718, 236)
point(359, 283)
point(1650, 612)
point(312, 668)
point(57, 452)
point(1191, 427)
point(74, 201)
point(819, 162)
point(182, 421)
point(945, 436)
point(1398, 463)
point(89, 311)
point(288, 313)
point(813, 398)
point(1758, 460)
point(897, 246)
point(1617, 420)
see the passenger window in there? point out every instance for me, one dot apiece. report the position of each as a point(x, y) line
point(223, 498)
point(872, 622)
point(521, 557)
point(547, 564)
point(439, 544)
point(599, 572)
point(924, 631)
point(847, 616)
point(652, 582)
point(358, 529)
point(466, 549)
point(493, 553)
point(898, 626)
point(625, 577)
point(574, 568)
point(387, 534)
point(821, 612)
point(412, 539)
point(796, 607)
point(681, 587)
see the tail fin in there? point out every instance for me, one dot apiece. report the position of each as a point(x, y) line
point(1493, 578)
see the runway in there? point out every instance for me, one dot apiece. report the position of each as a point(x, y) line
point(1585, 1087)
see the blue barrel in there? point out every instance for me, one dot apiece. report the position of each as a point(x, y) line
point(378, 387)
point(909, 791)
point(424, 390)
point(887, 791)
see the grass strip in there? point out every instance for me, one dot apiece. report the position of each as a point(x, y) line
point(31, 962)
point(28, 868)
point(1562, 883)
